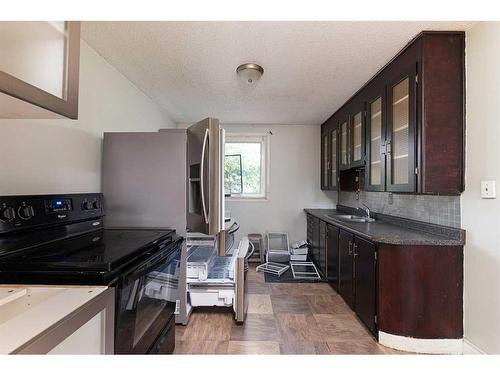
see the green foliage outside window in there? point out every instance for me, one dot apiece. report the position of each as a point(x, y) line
point(249, 174)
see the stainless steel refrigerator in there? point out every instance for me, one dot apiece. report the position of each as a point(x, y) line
point(173, 178)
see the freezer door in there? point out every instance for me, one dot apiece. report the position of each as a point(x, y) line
point(205, 170)
point(241, 285)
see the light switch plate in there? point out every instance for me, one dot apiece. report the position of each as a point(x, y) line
point(488, 190)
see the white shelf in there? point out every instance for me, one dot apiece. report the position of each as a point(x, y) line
point(376, 114)
point(374, 139)
point(375, 162)
point(402, 127)
point(400, 156)
point(399, 101)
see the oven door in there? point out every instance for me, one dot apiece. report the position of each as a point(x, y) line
point(146, 301)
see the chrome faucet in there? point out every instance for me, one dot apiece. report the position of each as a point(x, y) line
point(365, 208)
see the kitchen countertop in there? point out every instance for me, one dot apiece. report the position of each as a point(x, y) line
point(26, 311)
point(395, 231)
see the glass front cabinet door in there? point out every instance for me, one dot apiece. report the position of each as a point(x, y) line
point(334, 176)
point(344, 144)
point(375, 144)
point(325, 161)
point(400, 134)
point(39, 69)
point(356, 135)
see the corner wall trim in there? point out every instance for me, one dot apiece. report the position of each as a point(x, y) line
point(470, 348)
point(428, 346)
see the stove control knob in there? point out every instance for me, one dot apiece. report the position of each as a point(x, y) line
point(96, 205)
point(25, 212)
point(87, 205)
point(6, 214)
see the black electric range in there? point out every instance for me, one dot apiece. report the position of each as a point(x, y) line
point(61, 240)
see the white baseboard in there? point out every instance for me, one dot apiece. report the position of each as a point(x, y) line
point(427, 346)
point(470, 348)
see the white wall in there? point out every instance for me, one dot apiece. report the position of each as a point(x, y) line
point(294, 182)
point(481, 217)
point(64, 156)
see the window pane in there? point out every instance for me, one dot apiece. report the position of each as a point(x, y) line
point(251, 161)
point(233, 174)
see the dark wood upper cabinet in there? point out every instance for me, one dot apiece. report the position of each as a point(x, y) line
point(334, 160)
point(325, 161)
point(375, 140)
point(39, 69)
point(413, 128)
point(356, 136)
point(441, 120)
point(344, 143)
point(329, 158)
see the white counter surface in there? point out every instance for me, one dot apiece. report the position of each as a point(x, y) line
point(28, 310)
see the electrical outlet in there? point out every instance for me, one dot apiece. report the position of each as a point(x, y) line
point(488, 190)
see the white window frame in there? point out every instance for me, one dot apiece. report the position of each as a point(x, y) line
point(263, 139)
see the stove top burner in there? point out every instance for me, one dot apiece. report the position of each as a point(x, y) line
point(102, 250)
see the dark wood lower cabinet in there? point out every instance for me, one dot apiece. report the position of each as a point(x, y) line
point(365, 286)
point(420, 291)
point(346, 266)
point(405, 290)
point(310, 227)
point(322, 248)
point(332, 255)
point(349, 263)
point(314, 251)
point(316, 237)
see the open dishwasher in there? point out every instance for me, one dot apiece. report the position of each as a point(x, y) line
point(214, 280)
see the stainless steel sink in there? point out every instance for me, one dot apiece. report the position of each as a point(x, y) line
point(353, 218)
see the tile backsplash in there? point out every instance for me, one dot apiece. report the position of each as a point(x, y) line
point(436, 209)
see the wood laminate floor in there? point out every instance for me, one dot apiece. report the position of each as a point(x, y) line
point(283, 318)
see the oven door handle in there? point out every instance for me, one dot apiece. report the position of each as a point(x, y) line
point(149, 265)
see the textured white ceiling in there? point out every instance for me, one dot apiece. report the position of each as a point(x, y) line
point(311, 68)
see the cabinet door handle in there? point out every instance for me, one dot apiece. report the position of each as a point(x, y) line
point(383, 149)
point(355, 247)
point(350, 248)
point(388, 147)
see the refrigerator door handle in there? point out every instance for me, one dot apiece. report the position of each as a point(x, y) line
point(202, 173)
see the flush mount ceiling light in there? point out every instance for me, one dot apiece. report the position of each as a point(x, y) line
point(250, 72)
